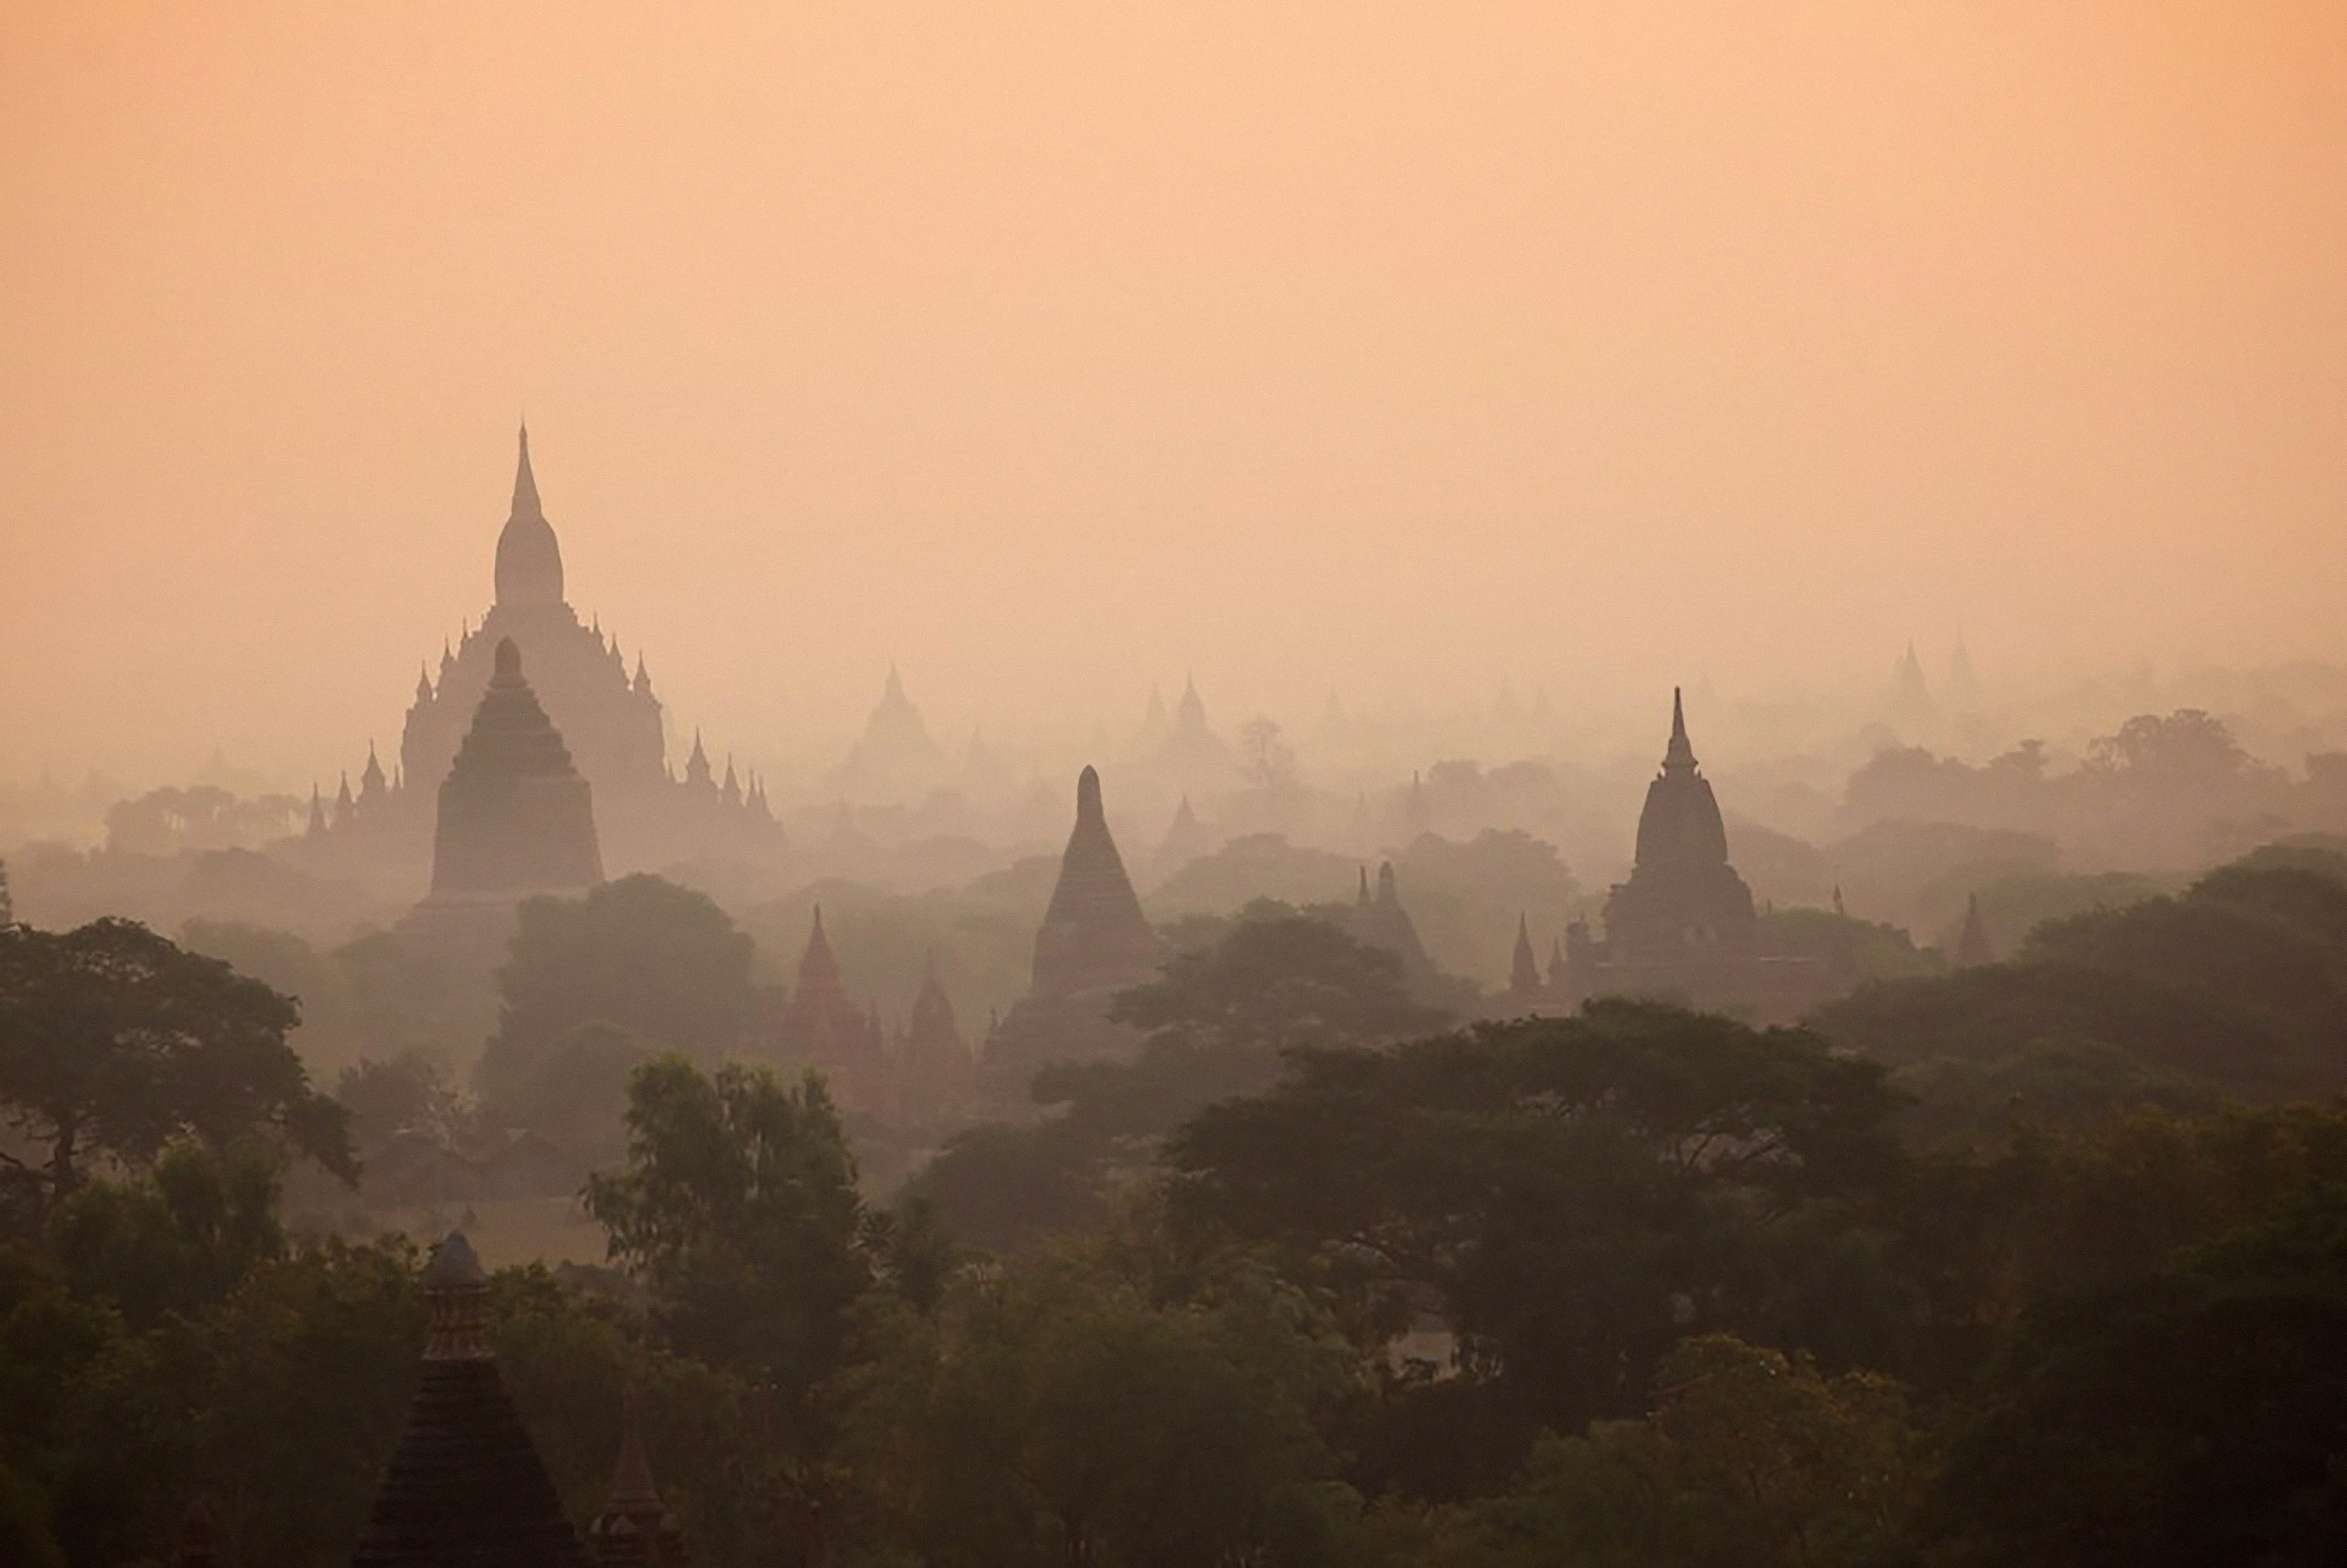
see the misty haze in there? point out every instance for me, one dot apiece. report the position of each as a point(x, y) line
point(1173, 785)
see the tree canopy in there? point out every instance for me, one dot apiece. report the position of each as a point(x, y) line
point(737, 1206)
point(661, 962)
point(114, 1041)
point(1567, 1195)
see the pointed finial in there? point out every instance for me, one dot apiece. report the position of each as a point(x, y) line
point(1088, 794)
point(1679, 756)
point(525, 495)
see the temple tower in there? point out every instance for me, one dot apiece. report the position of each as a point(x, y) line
point(1972, 946)
point(466, 1487)
point(1095, 934)
point(1094, 943)
point(1523, 968)
point(936, 1074)
point(824, 1027)
point(516, 818)
point(634, 1529)
point(1683, 896)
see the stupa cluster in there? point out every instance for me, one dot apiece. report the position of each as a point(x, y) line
point(536, 757)
point(919, 1076)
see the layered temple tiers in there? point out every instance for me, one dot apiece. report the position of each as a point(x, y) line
point(1094, 942)
point(1683, 899)
point(610, 718)
point(515, 818)
point(465, 1484)
point(1682, 928)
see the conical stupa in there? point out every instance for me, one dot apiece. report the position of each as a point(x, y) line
point(466, 1487)
point(1094, 942)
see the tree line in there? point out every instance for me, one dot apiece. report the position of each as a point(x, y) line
point(1314, 1279)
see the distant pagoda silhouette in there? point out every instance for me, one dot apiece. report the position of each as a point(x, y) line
point(823, 1027)
point(1094, 943)
point(610, 720)
point(936, 1073)
point(1682, 927)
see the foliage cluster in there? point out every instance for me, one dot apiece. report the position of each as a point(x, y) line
point(1637, 1285)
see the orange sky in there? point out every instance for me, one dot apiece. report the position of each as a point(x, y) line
point(1055, 349)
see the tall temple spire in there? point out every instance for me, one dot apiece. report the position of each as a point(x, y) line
point(525, 497)
point(1679, 757)
point(1523, 971)
point(529, 561)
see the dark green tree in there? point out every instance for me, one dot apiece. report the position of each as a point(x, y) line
point(2194, 1416)
point(114, 1041)
point(177, 1236)
point(1749, 1457)
point(737, 1206)
point(660, 961)
point(1070, 1411)
point(1567, 1197)
point(1221, 1022)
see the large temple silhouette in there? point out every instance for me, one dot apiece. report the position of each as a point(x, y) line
point(1683, 928)
point(1094, 943)
point(610, 718)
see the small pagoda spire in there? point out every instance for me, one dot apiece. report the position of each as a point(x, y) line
point(634, 1529)
point(696, 766)
point(371, 781)
point(464, 1484)
point(1972, 946)
point(423, 685)
point(1679, 757)
point(525, 495)
point(1523, 971)
point(317, 828)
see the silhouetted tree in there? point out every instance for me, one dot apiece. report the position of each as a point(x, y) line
point(660, 961)
point(1570, 1196)
point(2190, 1416)
point(737, 1206)
point(114, 1041)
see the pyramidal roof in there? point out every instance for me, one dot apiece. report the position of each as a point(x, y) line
point(1093, 933)
point(514, 814)
point(466, 1486)
point(819, 965)
point(1094, 888)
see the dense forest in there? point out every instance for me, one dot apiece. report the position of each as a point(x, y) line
point(2038, 1262)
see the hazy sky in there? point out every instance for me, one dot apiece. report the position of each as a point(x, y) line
point(1053, 350)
